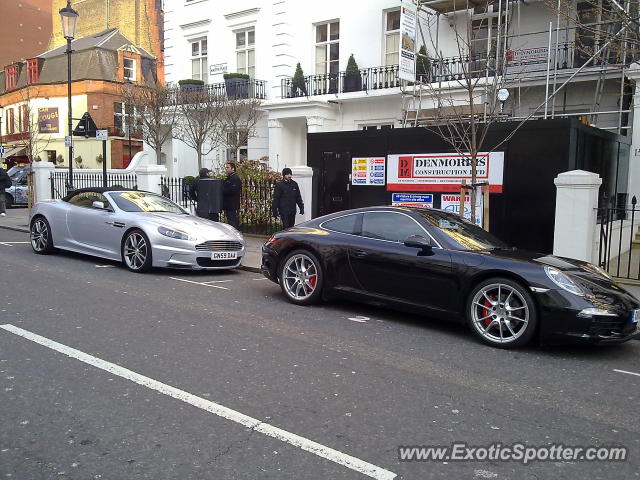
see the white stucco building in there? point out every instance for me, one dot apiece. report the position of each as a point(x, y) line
point(267, 38)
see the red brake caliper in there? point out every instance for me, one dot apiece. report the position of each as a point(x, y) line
point(312, 280)
point(487, 311)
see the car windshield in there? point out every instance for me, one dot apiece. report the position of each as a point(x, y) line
point(144, 202)
point(462, 232)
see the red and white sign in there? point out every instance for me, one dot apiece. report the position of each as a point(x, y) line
point(442, 172)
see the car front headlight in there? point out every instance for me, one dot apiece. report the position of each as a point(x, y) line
point(563, 281)
point(171, 233)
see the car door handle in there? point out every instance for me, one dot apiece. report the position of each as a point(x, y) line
point(359, 253)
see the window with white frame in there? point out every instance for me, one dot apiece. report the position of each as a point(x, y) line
point(199, 66)
point(240, 138)
point(327, 47)
point(126, 118)
point(129, 65)
point(392, 37)
point(246, 52)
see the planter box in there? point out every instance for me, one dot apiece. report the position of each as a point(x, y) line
point(352, 83)
point(237, 87)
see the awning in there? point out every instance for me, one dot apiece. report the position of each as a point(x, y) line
point(14, 152)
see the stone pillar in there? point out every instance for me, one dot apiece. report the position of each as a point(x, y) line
point(42, 180)
point(576, 204)
point(634, 155)
point(148, 177)
point(304, 176)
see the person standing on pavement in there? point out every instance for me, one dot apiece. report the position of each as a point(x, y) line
point(231, 190)
point(286, 196)
point(203, 204)
point(5, 182)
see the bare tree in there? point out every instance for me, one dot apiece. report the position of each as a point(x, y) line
point(156, 113)
point(36, 126)
point(199, 124)
point(239, 119)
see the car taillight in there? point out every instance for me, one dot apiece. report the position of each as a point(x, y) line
point(271, 239)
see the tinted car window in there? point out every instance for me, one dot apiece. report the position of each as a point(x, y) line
point(464, 233)
point(395, 227)
point(86, 199)
point(346, 224)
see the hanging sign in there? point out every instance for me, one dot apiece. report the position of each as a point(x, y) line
point(407, 68)
point(442, 172)
point(368, 171)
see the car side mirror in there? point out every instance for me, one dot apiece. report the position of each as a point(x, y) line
point(418, 241)
point(98, 205)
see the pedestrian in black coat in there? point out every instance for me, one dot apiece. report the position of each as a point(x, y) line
point(231, 190)
point(5, 182)
point(204, 205)
point(286, 196)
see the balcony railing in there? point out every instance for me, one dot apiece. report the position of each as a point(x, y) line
point(239, 89)
point(373, 78)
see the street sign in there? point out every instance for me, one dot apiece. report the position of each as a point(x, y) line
point(67, 141)
point(102, 134)
point(412, 200)
point(86, 127)
point(1, 149)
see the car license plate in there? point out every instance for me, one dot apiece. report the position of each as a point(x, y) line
point(635, 314)
point(224, 255)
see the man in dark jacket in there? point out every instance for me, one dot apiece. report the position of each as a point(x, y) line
point(285, 197)
point(5, 182)
point(205, 206)
point(231, 190)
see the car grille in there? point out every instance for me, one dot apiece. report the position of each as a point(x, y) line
point(207, 262)
point(219, 245)
point(608, 326)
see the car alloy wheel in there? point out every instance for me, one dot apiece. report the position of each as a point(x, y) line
point(301, 277)
point(40, 233)
point(136, 252)
point(502, 313)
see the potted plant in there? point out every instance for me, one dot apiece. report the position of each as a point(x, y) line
point(99, 158)
point(352, 77)
point(423, 66)
point(191, 84)
point(237, 85)
point(59, 159)
point(298, 86)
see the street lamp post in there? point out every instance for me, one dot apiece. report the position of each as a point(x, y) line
point(69, 17)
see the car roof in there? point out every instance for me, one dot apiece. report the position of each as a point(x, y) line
point(97, 190)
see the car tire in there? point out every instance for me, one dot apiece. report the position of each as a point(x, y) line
point(301, 277)
point(8, 200)
point(502, 313)
point(40, 235)
point(136, 251)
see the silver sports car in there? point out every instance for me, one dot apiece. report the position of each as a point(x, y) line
point(141, 229)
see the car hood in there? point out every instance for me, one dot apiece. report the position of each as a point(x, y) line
point(195, 226)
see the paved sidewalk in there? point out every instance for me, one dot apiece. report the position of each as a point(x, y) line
point(18, 219)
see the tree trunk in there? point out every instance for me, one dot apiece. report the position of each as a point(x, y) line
point(199, 159)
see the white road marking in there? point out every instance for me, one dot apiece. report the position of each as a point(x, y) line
point(11, 244)
point(217, 281)
point(318, 449)
point(628, 373)
point(198, 283)
point(264, 278)
point(105, 266)
point(359, 318)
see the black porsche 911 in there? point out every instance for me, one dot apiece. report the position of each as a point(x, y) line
point(434, 262)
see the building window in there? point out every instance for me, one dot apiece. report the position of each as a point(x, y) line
point(327, 47)
point(129, 69)
point(245, 52)
point(125, 118)
point(241, 153)
point(32, 71)
point(51, 156)
point(23, 119)
point(392, 37)
point(11, 77)
point(199, 67)
point(8, 120)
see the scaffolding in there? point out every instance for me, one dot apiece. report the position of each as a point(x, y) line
point(421, 107)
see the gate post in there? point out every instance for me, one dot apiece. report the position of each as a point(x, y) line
point(304, 177)
point(42, 180)
point(576, 214)
point(149, 177)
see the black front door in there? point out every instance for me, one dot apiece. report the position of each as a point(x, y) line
point(334, 185)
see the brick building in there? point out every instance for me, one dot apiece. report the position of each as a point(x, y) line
point(141, 21)
point(26, 29)
point(34, 96)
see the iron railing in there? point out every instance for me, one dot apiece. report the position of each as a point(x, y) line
point(255, 203)
point(619, 256)
point(373, 78)
point(238, 89)
point(60, 184)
